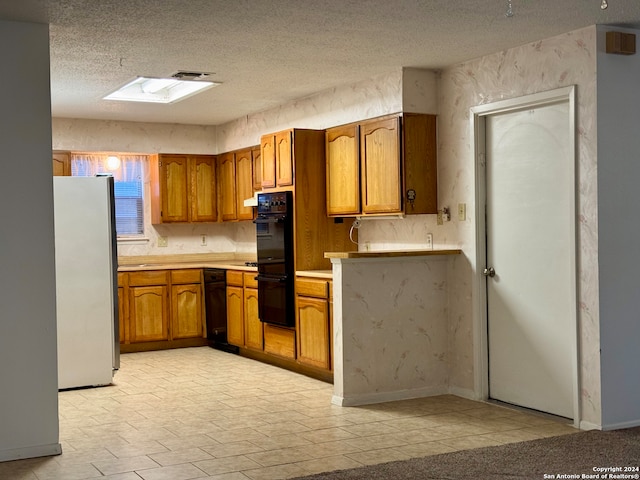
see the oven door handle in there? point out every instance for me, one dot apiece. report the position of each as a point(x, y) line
point(263, 278)
point(270, 220)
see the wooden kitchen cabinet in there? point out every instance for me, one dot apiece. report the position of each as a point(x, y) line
point(183, 188)
point(236, 179)
point(186, 304)
point(161, 309)
point(235, 308)
point(244, 183)
point(256, 159)
point(395, 168)
point(61, 164)
point(313, 322)
point(277, 155)
point(380, 165)
point(244, 328)
point(227, 181)
point(148, 306)
point(254, 337)
point(343, 170)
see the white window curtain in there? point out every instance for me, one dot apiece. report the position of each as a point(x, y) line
point(128, 173)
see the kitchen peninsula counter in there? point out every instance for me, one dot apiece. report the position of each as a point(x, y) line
point(390, 324)
point(391, 253)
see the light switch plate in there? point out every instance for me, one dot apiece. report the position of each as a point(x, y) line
point(163, 241)
point(462, 212)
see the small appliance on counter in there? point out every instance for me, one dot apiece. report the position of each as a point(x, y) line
point(276, 271)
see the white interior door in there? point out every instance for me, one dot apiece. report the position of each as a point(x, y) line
point(530, 245)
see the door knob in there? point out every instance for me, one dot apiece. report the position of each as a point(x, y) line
point(489, 272)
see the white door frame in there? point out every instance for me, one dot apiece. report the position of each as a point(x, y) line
point(478, 116)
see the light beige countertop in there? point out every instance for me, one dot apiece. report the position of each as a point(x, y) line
point(172, 262)
point(392, 253)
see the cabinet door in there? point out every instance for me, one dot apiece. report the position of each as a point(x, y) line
point(235, 316)
point(268, 157)
point(148, 314)
point(343, 171)
point(227, 172)
point(380, 163)
point(253, 325)
point(174, 188)
point(186, 311)
point(256, 158)
point(313, 332)
point(61, 164)
point(203, 189)
point(244, 184)
point(284, 159)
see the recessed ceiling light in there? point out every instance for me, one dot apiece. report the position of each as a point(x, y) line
point(159, 90)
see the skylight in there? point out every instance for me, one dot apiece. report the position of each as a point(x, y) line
point(159, 90)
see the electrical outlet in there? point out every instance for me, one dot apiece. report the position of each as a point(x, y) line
point(163, 241)
point(462, 212)
point(203, 240)
point(439, 219)
point(429, 241)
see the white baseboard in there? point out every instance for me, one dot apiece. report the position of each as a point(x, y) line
point(464, 393)
point(621, 425)
point(382, 397)
point(589, 426)
point(30, 452)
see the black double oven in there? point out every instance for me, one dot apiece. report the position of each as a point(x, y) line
point(276, 271)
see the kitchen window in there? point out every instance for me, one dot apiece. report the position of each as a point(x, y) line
point(128, 173)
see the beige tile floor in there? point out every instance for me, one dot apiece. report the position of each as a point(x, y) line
point(201, 413)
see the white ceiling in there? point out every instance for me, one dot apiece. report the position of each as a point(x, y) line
point(266, 53)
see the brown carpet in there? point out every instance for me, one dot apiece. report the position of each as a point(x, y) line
point(566, 456)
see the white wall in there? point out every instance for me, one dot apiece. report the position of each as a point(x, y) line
point(28, 362)
point(619, 233)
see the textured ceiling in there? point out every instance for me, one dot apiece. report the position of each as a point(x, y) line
point(266, 53)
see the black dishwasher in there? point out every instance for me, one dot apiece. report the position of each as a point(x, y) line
point(215, 303)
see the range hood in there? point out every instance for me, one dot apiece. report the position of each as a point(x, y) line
point(252, 201)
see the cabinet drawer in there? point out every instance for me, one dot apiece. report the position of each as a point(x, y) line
point(279, 341)
point(151, 277)
point(311, 287)
point(186, 276)
point(235, 277)
point(250, 280)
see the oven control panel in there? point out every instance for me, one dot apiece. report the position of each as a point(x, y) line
point(277, 202)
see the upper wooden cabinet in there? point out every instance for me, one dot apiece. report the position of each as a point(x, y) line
point(277, 155)
point(227, 179)
point(256, 158)
point(236, 177)
point(61, 164)
point(343, 168)
point(183, 188)
point(388, 168)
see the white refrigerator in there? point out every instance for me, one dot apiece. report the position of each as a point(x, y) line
point(86, 281)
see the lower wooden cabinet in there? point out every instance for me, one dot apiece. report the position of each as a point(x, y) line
point(235, 315)
point(244, 328)
point(148, 313)
point(253, 333)
point(280, 341)
point(313, 318)
point(161, 307)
